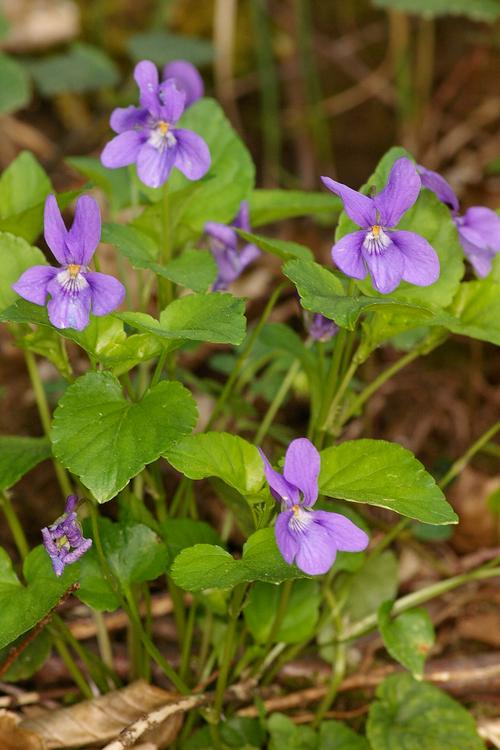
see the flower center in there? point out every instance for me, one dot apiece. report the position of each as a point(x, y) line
point(301, 518)
point(73, 270)
point(376, 240)
point(71, 278)
point(161, 136)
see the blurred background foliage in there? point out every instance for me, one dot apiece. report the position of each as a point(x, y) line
point(313, 86)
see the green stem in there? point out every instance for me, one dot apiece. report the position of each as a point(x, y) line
point(462, 462)
point(370, 389)
point(71, 666)
point(228, 387)
point(14, 525)
point(150, 647)
point(45, 417)
point(159, 368)
point(339, 664)
point(238, 595)
point(419, 597)
point(187, 641)
point(165, 286)
point(103, 639)
point(277, 402)
point(330, 385)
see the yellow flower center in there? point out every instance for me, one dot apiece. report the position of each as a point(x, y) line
point(163, 127)
point(73, 270)
point(296, 509)
point(376, 229)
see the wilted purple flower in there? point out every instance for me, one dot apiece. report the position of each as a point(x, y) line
point(310, 538)
point(321, 328)
point(231, 256)
point(64, 540)
point(187, 79)
point(479, 232)
point(435, 182)
point(147, 134)
point(74, 290)
point(391, 256)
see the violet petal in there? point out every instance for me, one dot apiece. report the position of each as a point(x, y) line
point(173, 102)
point(348, 536)
point(69, 309)
point(123, 149)
point(192, 156)
point(360, 208)
point(421, 263)
point(435, 182)
point(186, 78)
point(128, 118)
point(85, 234)
point(146, 77)
point(287, 541)
point(302, 465)
point(286, 492)
point(154, 165)
point(386, 268)
point(32, 284)
point(107, 292)
point(55, 231)
point(347, 254)
point(400, 193)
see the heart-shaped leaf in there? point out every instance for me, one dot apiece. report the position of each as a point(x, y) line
point(106, 440)
point(18, 455)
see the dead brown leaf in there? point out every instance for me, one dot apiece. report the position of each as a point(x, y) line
point(14, 737)
point(37, 24)
point(102, 719)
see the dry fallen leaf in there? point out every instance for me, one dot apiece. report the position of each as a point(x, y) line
point(102, 719)
point(13, 737)
point(37, 24)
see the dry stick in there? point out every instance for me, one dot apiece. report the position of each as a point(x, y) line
point(16, 651)
point(130, 735)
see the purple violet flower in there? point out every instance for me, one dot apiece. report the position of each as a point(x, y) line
point(310, 538)
point(479, 232)
point(73, 288)
point(390, 256)
point(224, 245)
point(147, 134)
point(321, 328)
point(64, 540)
point(187, 79)
point(435, 182)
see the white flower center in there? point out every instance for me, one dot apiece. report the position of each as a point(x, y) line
point(301, 518)
point(71, 278)
point(376, 240)
point(161, 136)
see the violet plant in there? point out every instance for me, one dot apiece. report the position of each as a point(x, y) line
point(125, 428)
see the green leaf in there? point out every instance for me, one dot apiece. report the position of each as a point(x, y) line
point(162, 47)
point(284, 249)
point(16, 256)
point(408, 638)
point(23, 184)
point(321, 291)
point(476, 311)
point(217, 197)
point(18, 455)
point(194, 269)
point(106, 440)
point(385, 474)
point(219, 454)
point(285, 734)
point(134, 554)
point(301, 615)
point(429, 218)
point(267, 206)
point(83, 68)
point(23, 607)
point(180, 533)
point(477, 10)
point(206, 566)
point(334, 735)
point(216, 317)
point(114, 182)
point(15, 89)
point(29, 660)
point(373, 583)
point(414, 715)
